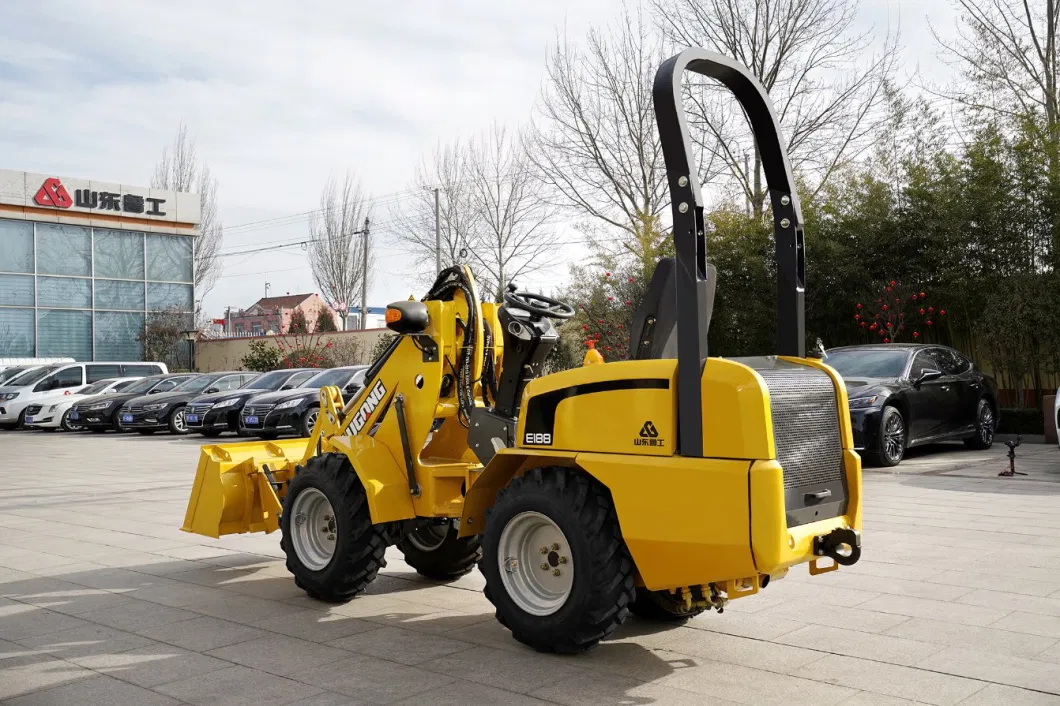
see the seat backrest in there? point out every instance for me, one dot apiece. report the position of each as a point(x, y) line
point(653, 332)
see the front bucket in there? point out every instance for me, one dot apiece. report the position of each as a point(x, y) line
point(232, 494)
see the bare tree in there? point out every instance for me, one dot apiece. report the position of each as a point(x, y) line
point(337, 245)
point(512, 236)
point(179, 170)
point(413, 221)
point(594, 142)
point(828, 88)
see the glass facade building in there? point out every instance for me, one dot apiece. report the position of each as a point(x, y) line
point(85, 292)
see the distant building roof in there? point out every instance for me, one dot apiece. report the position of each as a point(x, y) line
point(288, 301)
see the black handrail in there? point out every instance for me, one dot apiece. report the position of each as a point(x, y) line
point(689, 240)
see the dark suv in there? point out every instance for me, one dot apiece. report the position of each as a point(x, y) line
point(99, 414)
point(149, 414)
point(213, 414)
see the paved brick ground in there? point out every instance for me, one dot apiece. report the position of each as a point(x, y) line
point(104, 601)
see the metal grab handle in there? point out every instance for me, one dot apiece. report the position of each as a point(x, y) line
point(689, 232)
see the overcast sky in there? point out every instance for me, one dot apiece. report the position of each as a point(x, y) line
point(280, 94)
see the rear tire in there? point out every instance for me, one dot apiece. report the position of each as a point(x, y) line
point(332, 490)
point(985, 426)
point(662, 606)
point(893, 437)
point(437, 552)
point(576, 592)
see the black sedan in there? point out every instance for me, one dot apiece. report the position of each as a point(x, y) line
point(98, 414)
point(904, 395)
point(213, 414)
point(295, 411)
point(151, 413)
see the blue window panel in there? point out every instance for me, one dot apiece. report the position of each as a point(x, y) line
point(63, 250)
point(115, 294)
point(169, 296)
point(16, 246)
point(64, 292)
point(169, 258)
point(16, 333)
point(118, 254)
point(118, 336)
point(16, 290)
point(64, 333)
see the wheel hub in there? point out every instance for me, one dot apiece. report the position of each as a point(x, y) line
point(536, 564)
point(313, 531)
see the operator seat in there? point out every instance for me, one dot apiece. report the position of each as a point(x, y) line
point(653, 332)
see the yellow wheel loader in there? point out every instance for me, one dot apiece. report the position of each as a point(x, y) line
point(664, 485)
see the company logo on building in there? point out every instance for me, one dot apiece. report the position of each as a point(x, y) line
point(52, 194)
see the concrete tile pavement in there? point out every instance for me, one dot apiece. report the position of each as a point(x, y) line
point(104, 601)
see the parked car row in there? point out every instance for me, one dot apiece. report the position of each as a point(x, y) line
point(266, 405)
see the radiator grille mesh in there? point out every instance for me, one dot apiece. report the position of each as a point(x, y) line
point(805, 424)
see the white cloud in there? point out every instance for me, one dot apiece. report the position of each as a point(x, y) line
point(278, 95)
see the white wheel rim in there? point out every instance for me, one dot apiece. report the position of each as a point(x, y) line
point(535, 563)
point(311, 420)
point(178, 420)
point(313, 529)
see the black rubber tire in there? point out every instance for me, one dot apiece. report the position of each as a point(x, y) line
point(65, 423)
point(603, 587)
point(210, 433)
point(304, 426)
point(879, 457)
point(360, 546)
point(115, 424)
point(662, 606)
point(171, 424)
point(146, 432)
point(982, 441)
point(451, 559)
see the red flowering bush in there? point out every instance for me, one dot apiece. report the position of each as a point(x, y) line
point(896, 314)
point(605, 301)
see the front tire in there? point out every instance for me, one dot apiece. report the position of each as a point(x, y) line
point(892, 439)
point(67, 425)
point(662, 606)
point(985, 425)
point(177, 425)
point(332, 547)
point(557, 569)
point(309, 419)
point(437, 552)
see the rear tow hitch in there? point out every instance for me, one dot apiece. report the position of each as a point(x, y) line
point(841, 545)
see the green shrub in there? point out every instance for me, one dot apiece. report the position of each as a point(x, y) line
point(263, 357)
point(1021, 421)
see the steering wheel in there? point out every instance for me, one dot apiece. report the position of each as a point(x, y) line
point(537, 304)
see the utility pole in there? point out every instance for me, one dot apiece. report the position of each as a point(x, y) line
point(747, 179)
point(364, 277)
point(437, 233)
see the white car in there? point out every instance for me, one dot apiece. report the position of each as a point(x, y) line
point(51, 411)
point(1056, 415)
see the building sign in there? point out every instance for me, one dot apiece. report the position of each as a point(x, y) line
point(52, 193)
point(91, 197)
